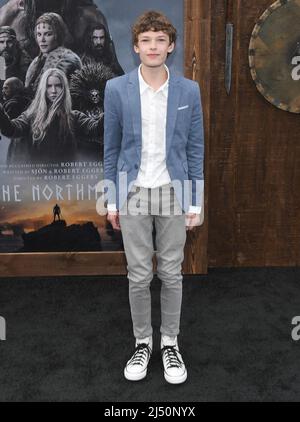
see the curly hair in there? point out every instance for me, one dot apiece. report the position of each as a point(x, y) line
point(153, 21)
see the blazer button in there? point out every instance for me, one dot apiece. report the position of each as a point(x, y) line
point(136, 166)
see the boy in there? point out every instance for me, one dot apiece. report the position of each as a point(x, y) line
point(154, 148)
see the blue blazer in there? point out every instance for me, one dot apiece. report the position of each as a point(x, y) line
point(123, 137)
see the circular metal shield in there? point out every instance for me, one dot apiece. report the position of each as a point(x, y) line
point(274, 55)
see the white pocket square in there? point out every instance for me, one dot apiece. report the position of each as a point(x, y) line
point(183, 107)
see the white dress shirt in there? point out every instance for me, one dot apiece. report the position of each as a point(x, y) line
point(153, 170)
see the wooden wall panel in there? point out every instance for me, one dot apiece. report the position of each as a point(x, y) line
point(197, 67)
point(254, 159)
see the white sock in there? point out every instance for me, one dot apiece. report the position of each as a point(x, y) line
point(168, 341)
point(146, 340)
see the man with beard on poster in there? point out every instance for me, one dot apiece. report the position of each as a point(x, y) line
point(15, 101)
point(21, 15)
point(97, 49)
point(50, 31)
point(49, 126)
point(16, 59)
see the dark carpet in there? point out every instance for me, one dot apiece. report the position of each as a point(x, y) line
point(68, 339)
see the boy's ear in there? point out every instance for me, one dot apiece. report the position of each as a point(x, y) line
point(171, 47)
point(136, 49)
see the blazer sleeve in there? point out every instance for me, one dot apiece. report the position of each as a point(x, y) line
point(112, 133)
point(195, 149)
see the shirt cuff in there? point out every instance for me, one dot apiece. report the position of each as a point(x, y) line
point(194, 210)
point(197, 209)
point(112, 207)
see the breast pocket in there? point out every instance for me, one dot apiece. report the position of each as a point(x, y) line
point(183, 115)
point(181, 108)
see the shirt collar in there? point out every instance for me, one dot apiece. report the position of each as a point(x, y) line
point(144, 85)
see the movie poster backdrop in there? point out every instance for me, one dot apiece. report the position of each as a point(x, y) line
point(55, 59)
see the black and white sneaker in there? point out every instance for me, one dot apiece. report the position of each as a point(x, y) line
point(136, 367)
point(174, 369)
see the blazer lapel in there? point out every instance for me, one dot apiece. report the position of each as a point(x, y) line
point(172, 108)
point(134, 100)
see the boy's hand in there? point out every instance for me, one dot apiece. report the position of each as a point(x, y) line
point(113, 218)
point(192, 221)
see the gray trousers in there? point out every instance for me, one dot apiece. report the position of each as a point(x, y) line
point(137, 232)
